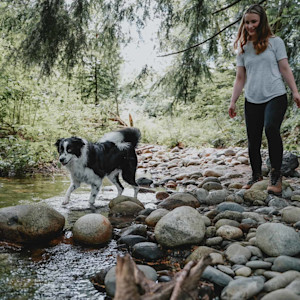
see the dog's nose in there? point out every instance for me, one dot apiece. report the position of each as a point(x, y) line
point(62, 160)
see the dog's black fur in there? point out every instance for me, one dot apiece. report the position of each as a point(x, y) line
point(91, 162)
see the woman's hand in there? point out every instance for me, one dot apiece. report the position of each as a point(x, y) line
point(232, 110)
point(296, 97)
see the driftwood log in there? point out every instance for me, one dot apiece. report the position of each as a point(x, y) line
point(132, 284)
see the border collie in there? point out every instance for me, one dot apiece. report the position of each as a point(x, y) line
point(91, 162)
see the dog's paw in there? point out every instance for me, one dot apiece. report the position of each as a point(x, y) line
point(65, 202)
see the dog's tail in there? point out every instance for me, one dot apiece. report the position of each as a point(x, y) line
point(124, 138)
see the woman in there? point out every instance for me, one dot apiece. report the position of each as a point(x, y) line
point(261, 64)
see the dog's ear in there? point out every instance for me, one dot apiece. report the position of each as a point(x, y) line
point(78, 142)
point(58, 143)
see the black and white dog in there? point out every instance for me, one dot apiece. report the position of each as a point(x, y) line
point(91, 162)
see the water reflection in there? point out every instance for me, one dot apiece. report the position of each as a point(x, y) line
point(59, 270)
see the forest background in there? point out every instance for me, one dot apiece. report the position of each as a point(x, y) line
point(62, 74)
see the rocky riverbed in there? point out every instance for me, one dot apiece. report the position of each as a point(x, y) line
point(200, 209)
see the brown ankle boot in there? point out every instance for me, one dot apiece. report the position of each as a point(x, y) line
point(255, 178)
point(275, 184)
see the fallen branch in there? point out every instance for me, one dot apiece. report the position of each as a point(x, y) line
point(132, 284)
point(117, 118)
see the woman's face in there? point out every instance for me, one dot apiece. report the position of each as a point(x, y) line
point(251, 23)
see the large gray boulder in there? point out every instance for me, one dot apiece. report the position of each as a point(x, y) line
point(30, 223)
point(277, 239)
point(289, 163)
point(182, 226)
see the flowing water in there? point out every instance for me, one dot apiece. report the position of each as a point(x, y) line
point(59, 269)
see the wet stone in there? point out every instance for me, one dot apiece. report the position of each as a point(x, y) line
point(147, 251)
point(135, 229)
point(131, 240)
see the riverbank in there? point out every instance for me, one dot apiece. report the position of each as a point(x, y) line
point(209, 182)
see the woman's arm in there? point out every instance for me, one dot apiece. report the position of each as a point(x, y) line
point(239, 83)
point(288, 76)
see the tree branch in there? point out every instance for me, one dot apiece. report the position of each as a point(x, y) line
point(228, 6)
point(194, 46)
point(216, 34)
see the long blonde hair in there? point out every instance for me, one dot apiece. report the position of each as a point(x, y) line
point(263, 31)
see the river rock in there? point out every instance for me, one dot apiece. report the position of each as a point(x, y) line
point(216, 197)
point(228, 214)
point(284, 263)
point(155, 216)
point(281, 281)
point(282, 294)
point(213, 241)
point(278, 203)
point(259, 264)
point(182, 226)
point(243, 288)
point(110, 278)
point(289, 163)
point(243, 271)
point(125, 206)
point(237, 254)
point(201, 195)
point(161, 195)
point(291, 214)
point(30, 223)
point(135, 229)
point(144, 181)
point(216, 276)
point(211, 173)
point(212, 186)
point(252, 195)
point(92, 229)
point(294, 286)
point(179, 199)
point(209, 179)
point(222, 222)
point(229, 232)
point(131, 240)
point(255, 251)
point(230, 206)
point(253, 215)
point(199, 253)
point(147, 251)
point(276, 239)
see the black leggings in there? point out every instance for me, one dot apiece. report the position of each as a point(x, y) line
point(269, 115)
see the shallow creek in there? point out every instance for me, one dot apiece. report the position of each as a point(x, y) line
point(59, 269)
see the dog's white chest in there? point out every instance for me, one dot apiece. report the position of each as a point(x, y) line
point(84, 174)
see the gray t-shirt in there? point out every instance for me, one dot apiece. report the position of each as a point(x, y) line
point(263, 78)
